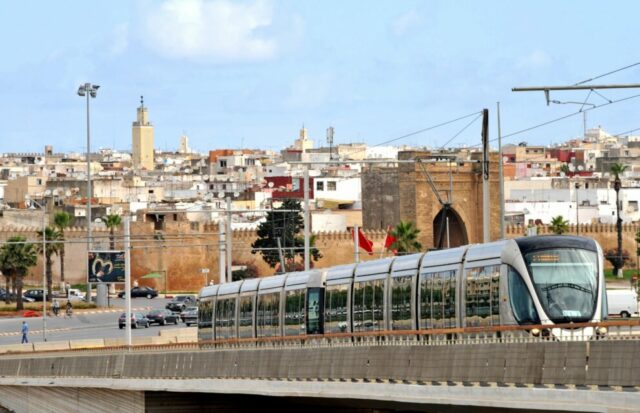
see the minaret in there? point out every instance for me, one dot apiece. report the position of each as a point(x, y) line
point(303, 143)
point(142, 140)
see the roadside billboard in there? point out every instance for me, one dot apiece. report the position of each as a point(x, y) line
point(106, 267)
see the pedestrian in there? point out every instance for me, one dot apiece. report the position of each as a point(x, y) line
point(25, 332)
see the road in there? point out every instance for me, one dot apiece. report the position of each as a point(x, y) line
point(98, 323)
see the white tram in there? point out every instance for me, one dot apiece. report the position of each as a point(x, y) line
point(544, 280)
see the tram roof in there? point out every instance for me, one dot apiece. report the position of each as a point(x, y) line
point(444, 257)
point(491, 250)
point(209, 290)
point(340, 272)
point(374, 267)
point(527, 244)
point(268, 283)
point(230, 288)
point(407, 262)
point(250, 285)
point(301, 277)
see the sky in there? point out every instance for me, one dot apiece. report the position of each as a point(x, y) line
point(250, 74)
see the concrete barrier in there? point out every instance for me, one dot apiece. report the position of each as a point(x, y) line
point(51, 345)
point(16, 348)
point(179, 332)
point(114, 342)
point(87, 343)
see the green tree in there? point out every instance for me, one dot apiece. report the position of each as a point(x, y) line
point(618, 169)
point(564, 168)
point(16, 257)
point(286, 226)
point(559, 225)
point(406, 238)
point(112, 221)
point(62, 220)
point(52, 247)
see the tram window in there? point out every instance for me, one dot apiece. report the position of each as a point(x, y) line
point(245, 321)
point(335, 313)
point(225, 318)
point(368, 306)
point(205, 315)
point(401, 303)
point(268, 315)
point(426, 281)
point(438, 299)
point(522, 305)
point(294, 312)
point(482, 296)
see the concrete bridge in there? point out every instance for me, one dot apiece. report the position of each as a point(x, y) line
point(472, 370)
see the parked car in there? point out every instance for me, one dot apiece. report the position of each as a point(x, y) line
point(36, 295)
point(162, 317)
point(75, 294)
point(140, 292)
point(137, 320)
point(180, 302)
point(190, 316)
point(12, 297)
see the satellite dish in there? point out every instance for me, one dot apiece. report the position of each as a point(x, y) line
point(271, 184)
point(580, 168)
point(56, 192)
point(27, 204)
point(236, 194)
point(67, 193)
point(47, 192)
point(220, 194)
point(571, 167)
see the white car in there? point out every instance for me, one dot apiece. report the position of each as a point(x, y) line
point(75, 294)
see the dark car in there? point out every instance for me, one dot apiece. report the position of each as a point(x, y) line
point(180, 302)
point(162, 317)
point(12, 297)
point(190, 316)
point(137, 320)
point(35, 295)
point(140, 292)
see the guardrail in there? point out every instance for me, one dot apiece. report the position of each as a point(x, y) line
point(622, 330)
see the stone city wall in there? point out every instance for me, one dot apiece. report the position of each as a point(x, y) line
point(182, 250)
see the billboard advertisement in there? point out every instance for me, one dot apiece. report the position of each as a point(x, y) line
point(106, 267)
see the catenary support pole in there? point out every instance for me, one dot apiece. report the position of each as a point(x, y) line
point(500, 174)
point(229, 239)
point(222, 267)
point(485, 176)
point(127, 278)
point(307, 261)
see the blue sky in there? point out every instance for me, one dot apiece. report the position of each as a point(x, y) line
point(233, 74)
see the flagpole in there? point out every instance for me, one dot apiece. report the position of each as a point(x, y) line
point(356, 235)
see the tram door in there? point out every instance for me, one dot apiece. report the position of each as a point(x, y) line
point(315, 311)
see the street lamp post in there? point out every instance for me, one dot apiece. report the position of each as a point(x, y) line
point(577, 206)
point(88, 90)
point(44, 266)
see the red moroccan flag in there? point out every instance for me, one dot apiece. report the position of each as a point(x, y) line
point(363, 242)
point(390, 239)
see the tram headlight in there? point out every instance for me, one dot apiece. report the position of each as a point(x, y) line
point(601, 331)
point(535, 332)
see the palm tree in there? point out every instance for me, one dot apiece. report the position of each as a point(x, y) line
point(112, 221)
point(16, 256)
point(61, 220)
point(406, 235)
point(618, 169)
point(559, 225)
point(51, 247)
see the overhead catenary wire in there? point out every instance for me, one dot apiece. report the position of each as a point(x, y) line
point(607, 74)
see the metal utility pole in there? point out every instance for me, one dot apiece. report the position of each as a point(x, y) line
point(485, 175)
point(500, 175)
point(283, 267)
point(222, 267)
point(307, 261)
point(356, 240)
point(127, 278)
point(228, 238)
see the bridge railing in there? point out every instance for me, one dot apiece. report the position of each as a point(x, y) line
point(570, 332)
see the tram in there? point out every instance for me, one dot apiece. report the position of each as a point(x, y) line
point(539, 280)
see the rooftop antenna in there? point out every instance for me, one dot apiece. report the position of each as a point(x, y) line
point(330, 141)
point(141, 101)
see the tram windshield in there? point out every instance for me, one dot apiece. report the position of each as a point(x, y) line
point(566, 282)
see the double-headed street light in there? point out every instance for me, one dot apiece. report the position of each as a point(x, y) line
point(88, 90)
